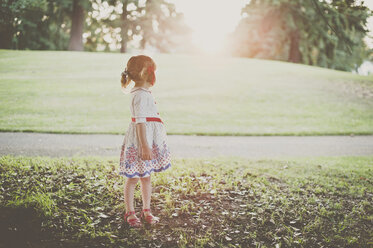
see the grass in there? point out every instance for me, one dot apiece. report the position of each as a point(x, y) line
point(75, 92)
point(221, 202)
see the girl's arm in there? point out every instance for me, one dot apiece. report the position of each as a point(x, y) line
point(144, 149)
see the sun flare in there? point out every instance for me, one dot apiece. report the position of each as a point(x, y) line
point(211, 21)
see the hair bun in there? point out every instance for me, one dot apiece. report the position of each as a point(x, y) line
point(125, 74)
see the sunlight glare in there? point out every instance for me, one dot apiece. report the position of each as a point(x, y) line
point(210, 20)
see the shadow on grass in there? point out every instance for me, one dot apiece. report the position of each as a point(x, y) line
point(21, 227)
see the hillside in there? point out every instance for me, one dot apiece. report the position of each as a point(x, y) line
point(77, 92)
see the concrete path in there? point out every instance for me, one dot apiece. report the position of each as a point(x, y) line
point(56, 145)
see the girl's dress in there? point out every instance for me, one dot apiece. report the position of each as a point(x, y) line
point(144, 110)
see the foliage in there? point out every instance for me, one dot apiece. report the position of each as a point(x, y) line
point(72, 202)
point(160, 24)
point(40, 25)
point(324, 33)
point(18, 16)
point(46, 24)
point(153, 23)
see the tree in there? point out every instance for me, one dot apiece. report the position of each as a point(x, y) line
point(152, 23)
point(20, 23)
point(90, 24)
point(59, 23)
point(124, 27)
point(161, 25)
point(106, 25)
point(39, 24)
point(328, 34)
point(77, 24)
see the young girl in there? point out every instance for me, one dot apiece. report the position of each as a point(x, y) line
point(144, 148)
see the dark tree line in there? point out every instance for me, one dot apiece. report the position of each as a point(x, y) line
point(86, 24)
point(327, 33)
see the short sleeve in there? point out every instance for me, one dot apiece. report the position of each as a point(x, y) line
point(140, 105)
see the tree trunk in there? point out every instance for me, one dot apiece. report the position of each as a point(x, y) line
point(294, 53)
point(77, 23)
point(124, 28)
point(143, 42)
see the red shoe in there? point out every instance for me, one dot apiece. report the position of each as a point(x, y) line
point(135, 222)
point(150, 219)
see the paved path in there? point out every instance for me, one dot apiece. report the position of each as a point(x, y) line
point(56, 145)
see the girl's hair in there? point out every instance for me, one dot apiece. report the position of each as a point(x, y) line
point(139, 68)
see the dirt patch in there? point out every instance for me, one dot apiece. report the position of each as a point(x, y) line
point(363, 90)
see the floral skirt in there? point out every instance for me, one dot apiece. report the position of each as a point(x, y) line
point(131, 165)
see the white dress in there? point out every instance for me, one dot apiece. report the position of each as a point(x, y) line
point(131, 165)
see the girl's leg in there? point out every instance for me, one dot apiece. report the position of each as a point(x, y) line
point(146, 191)
point(129, 191)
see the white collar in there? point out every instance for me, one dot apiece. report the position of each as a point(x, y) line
point(142, 88)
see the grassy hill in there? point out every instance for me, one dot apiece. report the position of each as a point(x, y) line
point(77, 92)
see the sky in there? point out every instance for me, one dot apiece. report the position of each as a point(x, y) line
point(221, 19)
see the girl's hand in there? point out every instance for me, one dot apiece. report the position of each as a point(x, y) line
point(144, 150)
point(146, 153)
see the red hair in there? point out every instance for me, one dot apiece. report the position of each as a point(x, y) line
point(139, 68)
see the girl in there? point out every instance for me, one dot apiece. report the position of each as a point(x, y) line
point(144, 148)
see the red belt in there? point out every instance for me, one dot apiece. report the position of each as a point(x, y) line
point(149, 119)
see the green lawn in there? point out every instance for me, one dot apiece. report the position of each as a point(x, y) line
point(222, 202)
point(76, 92)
